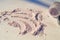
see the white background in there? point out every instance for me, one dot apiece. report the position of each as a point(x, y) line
point(52, 30)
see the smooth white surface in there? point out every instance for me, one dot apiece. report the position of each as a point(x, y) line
point(52, 30)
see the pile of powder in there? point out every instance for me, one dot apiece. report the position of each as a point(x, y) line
point(27, 20)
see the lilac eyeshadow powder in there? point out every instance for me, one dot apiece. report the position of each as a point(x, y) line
point(53, 11)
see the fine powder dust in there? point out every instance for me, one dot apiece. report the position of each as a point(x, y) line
point(32, 20)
